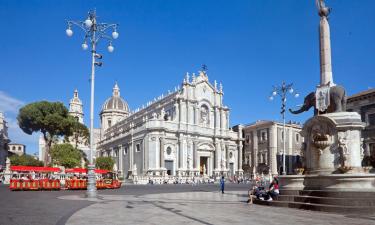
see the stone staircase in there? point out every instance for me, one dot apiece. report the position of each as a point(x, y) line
point(348, 202)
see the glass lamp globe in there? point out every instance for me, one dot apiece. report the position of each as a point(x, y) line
point(271, 98)
point(110, 48)
point(88, 23)
point(115, 34)
point(84, 46)
point(296, 95)
point(291, 90)
point(274, 93)
point(69, 32)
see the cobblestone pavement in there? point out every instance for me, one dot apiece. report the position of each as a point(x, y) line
point(44, 207)
point(197, 208)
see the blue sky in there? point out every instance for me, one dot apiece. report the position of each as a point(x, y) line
point(247, 45)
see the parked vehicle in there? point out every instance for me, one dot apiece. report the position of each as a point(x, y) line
point(28, 178)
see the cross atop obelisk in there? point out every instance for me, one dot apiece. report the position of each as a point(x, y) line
point(326, 78)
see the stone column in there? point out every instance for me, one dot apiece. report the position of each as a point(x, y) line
point(196, 121)
point(217, 118)
point(217, 154)
point(240, 155)
point(131, 150)
point(120, 155)
point(183, 111)
point(273, 149)
point(255, 149)
point(181, 153)
point(222, 117)
point(177, 112)
point(226, 149)
point(188, 111)
point(195, 155)
point(161, 139)
point(325, 52)
point(227, 119)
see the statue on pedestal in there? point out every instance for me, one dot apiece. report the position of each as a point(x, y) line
point(328, 97)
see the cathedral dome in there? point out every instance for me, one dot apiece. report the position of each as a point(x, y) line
point(115, 103)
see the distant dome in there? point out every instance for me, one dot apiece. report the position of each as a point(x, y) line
point(115, 103)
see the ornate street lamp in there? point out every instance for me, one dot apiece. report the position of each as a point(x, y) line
point(94, 32)
point(282, 91)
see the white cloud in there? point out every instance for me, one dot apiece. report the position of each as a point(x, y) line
point(10, 107)
point(9, 104)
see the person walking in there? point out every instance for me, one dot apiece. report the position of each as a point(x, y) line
point(222, 182)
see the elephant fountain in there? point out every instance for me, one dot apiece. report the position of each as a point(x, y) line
point(337, 98)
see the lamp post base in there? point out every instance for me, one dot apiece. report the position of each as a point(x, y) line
point(91, 182)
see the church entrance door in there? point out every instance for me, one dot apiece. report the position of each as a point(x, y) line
point(203, 165)
point(169, 166)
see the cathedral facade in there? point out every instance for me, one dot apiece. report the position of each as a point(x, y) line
point(183, 134)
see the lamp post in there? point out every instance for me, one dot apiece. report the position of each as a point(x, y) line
point(93, 32)
point(282, 91)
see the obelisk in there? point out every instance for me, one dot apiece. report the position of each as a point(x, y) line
point(326, 78)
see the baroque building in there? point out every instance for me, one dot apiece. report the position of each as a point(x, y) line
point(185, 133)
point(4, 141)
point(264, 144)
point(364, 104)
point(18, 149)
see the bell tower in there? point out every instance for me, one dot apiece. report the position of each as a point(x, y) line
point(76, 107)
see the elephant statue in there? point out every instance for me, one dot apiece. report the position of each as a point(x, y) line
point(337, 99)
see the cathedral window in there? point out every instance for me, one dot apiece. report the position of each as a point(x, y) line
point(297, 137)
point(125, 150)
point(205, 115)
point(169, 150)
point(138, 148)
point(264, 136)
point(247, 139)
point(109, 123)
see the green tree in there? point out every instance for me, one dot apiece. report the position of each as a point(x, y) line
point(50, 118)
point(79, 133)
point(104, 163)
point(24, 160)
point(66, 155)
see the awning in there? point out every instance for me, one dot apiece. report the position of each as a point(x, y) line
point(82, 170)
point(34, 168)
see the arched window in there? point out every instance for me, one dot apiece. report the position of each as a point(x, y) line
point(169, 150)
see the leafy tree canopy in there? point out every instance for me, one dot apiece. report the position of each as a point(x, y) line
point(78, 134)
point(104, 163)
point(24, 160)
point(50, 118)
point(46, 117)
point(66, 155)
